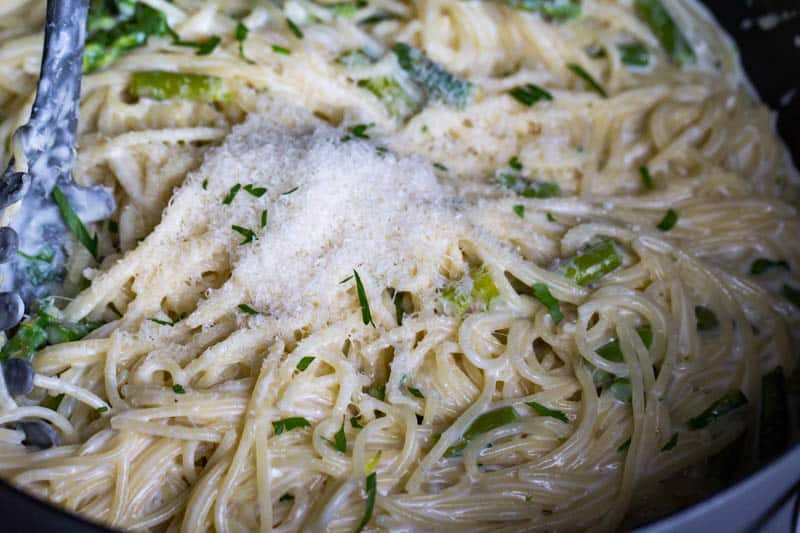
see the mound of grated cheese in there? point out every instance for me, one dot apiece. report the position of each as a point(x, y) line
point(333, 206)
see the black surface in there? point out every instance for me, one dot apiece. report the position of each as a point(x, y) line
point(772, 61)
point(771, 58)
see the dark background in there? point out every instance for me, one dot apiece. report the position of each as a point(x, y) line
point(772, 61)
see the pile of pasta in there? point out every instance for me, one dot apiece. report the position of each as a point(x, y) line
point(485, 389)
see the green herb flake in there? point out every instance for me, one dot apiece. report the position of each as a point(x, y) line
point(278, 49)
point(232, 194)
point(792, 294)
point(550, 217)
point(205, 184)
point(729, 402)
point(653, 13)
point(706, 318)
point(366, 314)
point(294, 28)
point(178, 389)
point(358, 131)
point(519, 210)
point(647, 178)
point(762, 264)
point(377, 391)
point(529, 94)
point(305, 362)
point(402, 305)
point(515, 163)
point(288, 424)
point(624, 446)
point(264, 218)
point(439, 166)
point(290, 191)
point(102, 409)
point(669, 220)
point(242, 32)
point(588, 79)
point(248, 234)
point(542, 410)
point(371, 488)
point(258, 192)
point(542, 293)
point(244, 308)
point(354, 422)
point(74, 223)
point(415, 392)
point(671, 443)
point(286, 498)
point(340, 440)
point(634, 54)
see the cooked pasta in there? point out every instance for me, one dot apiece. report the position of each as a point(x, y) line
point(432, 265)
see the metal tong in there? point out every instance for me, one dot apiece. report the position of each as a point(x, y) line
point(43, 151)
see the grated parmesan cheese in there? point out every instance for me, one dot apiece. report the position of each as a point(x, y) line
point(332, 206)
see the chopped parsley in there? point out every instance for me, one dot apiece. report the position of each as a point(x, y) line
point(542, 410)
point(74, 223)
point(671, 443)
point(515, 163)
point(647, 178)
point(340, 440)
point(205, 184)
point(294, 28)
point(439, 166)
point(366, 314)
point(761, 265)
point(248, 234)
point(241, 35)
point(178, 389)
point(258, 192)
point(792, 294)
point(305, 362)
point(202, 48)
point(355, 423)
point(634, 54)
point(264, 218)
point(542, 293)
point(519, 210)
point(529, 94)
point(102, 409)
point(231, 194)
point(402, 305)
point(669, 220)
point(371, 487)
point(377, 391)
point(278, 49)
point(358, 131)
point(706, 318)
point(288, 424)
point(588, 79)
point(290, 191)
point(244, 308)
